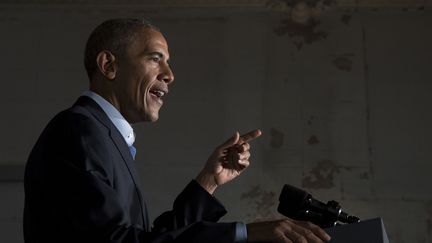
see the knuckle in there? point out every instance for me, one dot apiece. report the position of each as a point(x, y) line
point(301, 239)
point(277, 231)
point(282, 227)
point(309, 233)
point(285, 223)
point(289, 221)
point(306, 230)
point(309, 224)
point(322, 234)
point(286, 226)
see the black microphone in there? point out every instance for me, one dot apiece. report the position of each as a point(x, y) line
point(300, 205)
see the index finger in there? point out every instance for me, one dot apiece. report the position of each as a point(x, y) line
point(250, 135)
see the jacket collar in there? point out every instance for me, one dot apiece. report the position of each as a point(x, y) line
point(114, 115)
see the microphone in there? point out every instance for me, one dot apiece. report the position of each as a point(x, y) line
point(300, 205)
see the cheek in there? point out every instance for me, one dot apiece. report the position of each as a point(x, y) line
point(143, 92)
point(145, 79)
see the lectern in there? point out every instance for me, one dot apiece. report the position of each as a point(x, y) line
point(367, 231)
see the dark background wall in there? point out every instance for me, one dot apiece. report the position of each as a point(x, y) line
point(344, 105)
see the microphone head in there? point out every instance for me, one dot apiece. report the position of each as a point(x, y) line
point(292, 201)
point(299, 205)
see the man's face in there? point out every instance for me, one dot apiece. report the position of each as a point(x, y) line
point(143, 76)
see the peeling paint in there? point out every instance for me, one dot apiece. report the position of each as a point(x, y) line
point(321, 176)
point(277, 138)
point(343, 62)
point(364, 175)
point(346, 19)
point(313, 140)
point(304, 33)
point(263, 202)
point(311, 118)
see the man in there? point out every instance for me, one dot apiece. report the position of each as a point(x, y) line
point(80, 181)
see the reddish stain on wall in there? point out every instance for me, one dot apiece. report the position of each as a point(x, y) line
point(263, 202)
point(313, 140)
point(304, 33)
point(321, 176)
point(346, 19)
point(343, 62)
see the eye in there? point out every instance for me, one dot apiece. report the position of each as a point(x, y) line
point(155, 59)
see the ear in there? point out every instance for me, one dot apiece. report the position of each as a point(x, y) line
point(107, 65)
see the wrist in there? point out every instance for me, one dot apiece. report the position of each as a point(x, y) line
point(207, 182)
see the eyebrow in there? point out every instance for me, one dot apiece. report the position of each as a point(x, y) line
point(159, 54)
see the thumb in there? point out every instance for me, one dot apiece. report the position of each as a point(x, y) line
point(231, 141)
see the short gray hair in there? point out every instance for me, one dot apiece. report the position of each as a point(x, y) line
point(113, 35)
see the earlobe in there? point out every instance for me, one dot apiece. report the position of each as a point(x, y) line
point(107, 65)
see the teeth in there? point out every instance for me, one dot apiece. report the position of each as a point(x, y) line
point(159, 93)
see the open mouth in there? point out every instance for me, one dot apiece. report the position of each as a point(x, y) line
point(158, 93)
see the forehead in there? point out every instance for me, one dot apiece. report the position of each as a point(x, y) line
point(148, 40)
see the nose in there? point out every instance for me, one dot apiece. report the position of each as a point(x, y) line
point(166, 74)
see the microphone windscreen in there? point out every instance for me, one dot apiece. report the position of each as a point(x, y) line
point(292, 200)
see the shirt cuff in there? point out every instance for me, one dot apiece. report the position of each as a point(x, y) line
point(241, 233)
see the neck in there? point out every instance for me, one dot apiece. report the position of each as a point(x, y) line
point(105, 92)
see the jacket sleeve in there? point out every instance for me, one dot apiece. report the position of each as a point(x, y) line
point(194, 214)
point(192, 205)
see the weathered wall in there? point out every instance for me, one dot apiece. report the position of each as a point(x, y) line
point(344, 106)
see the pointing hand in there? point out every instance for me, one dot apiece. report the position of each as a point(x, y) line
point(228, 161)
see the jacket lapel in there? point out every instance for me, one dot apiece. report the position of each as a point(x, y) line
point(120, 143)
point(115, 135)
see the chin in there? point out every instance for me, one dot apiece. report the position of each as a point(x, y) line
point(154, 119)
point(151, 117)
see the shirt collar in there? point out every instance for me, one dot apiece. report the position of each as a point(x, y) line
point(114, 115)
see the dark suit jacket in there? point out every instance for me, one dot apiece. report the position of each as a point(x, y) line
point(81, 186)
